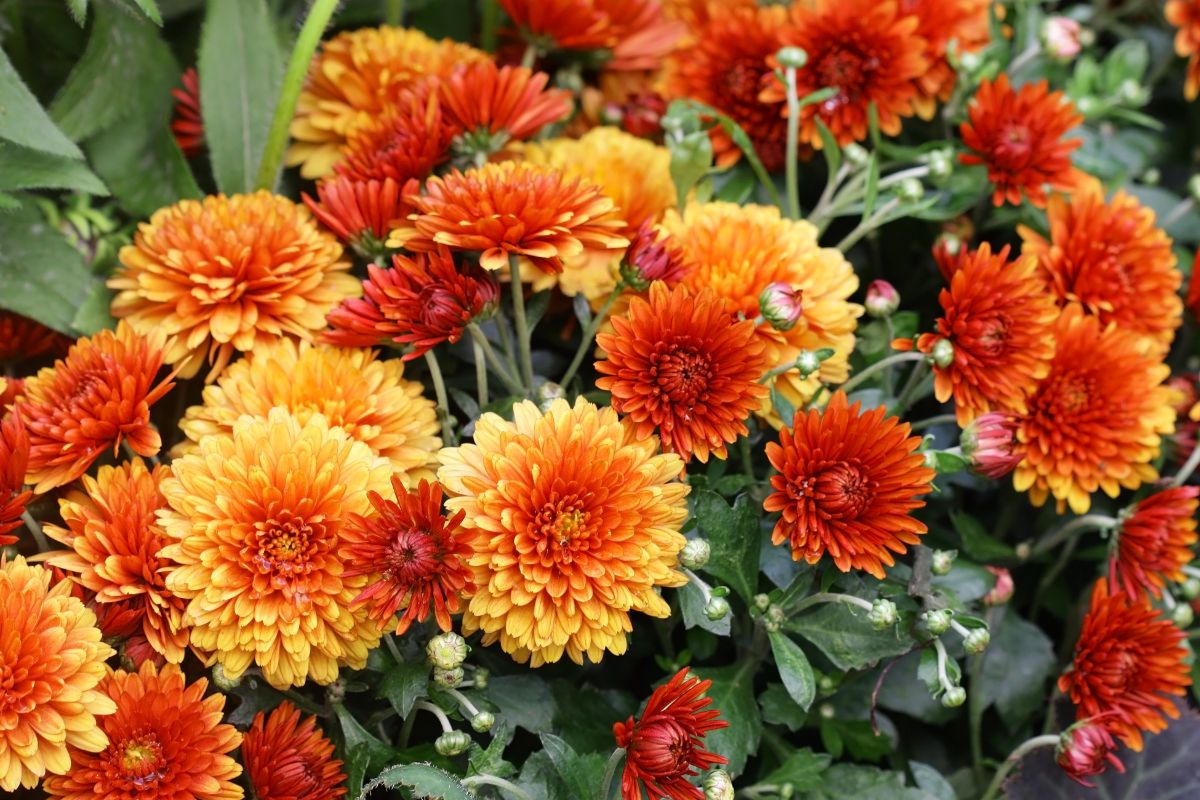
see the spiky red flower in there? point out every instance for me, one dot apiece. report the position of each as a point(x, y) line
point(940, 22)
point(491, 105)
point(14, 457)
point(420, 301)
point(187, 123)
point(361, 213)
point(22, 339)
point(288, 758)
point(665, 745)
point(847, 484)
point(1018, 135)
point(416, 555)
point(1086, 749)
point(1129, 663)
point(1154, 542)
point(681, 365)
point(635, 32)
point(404, 143)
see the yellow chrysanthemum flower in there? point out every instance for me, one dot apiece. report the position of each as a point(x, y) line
point(366, 397)
point(573, 523)
point(256, 517)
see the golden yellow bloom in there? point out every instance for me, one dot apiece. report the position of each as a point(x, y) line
point(256, 518)
point(51, 661)
point(364, 396)
point(738, 250)
point(573, 522)
point(357, 76)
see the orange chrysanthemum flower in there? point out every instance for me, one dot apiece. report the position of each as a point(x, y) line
point(94, 399)
point(491, 106)
point(724, 66)
point(1000, 319)
point(682, 366)
point(256, 519)
point(227, 274)
point(366, 397)
point(1129, 661)
point(1154, 542)
point(52, 659)
point(868, 51)
point(23, 339)
point(940, 22)
point(509, 209)
point(361, 213)
point(635, 32)
point(357, 76)
point(1096, 419)
point(288, 758)
point(740, 250)
point(665, 746)
point(1185, 15)
point(847, 484)
point(1018, 135)
point(405, 142)
point(1112, 259)
point(165, 741)
point(416, 557)
point(14, 460)
point(187, 123)
point(114, 540)
point(573, 522)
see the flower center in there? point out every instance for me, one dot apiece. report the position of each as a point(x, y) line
point(993, 336)
point(138, 760)
point(1014, 146)
point(742, 81)
point(560, 525)
point(662, 749)
point(682, 374)
point(438, 305)
point(842, 490)
point(848, 71)
point(414, 556)
point(1068, 396)
point(284, 546)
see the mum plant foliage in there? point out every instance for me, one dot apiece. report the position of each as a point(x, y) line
point(594, 399)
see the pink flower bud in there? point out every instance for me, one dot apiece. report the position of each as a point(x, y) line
point(882, 299)
point(780, 305)
point(990, 444)
point(1002, 592)
point(1085, 749)
point(1060, 36)
point(652, 256)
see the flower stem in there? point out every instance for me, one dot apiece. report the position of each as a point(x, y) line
point(315, 23)
point(831, 597)
point(463, 700)
point(38, 536)
point(481, 385)
point(1188, 467)
point(610, 772)
point(493, 361)
point(918, 378)
point(793, 142)
point(439, 388)
point(1022, 749)
point(882, 364)
point(522, 322)
point(867, 225)
point(529, 57)
point(471, 781)
point(589, 333)
point(390, 641)
point(394, 12)
point(940, 419)
point(1086, 522)
point(425, 705)
point(490, 11)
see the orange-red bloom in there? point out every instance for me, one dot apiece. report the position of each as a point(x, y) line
point(847, 484)
point(664, 747)
point(1185, 15)
point(361, 213)
point(14, 459)
point(865, 49)
point(1096, 419)
point(1154, 542)
point(22, 339)
point(405, 142)
point(940, 22)
point(1129, 661)
point(421, 301)
point(635, 32)
point(491, 105)
point(97, 397)
point(1000, 318)
point(513, 209)
point(415, 555)
point(1111, 258)
point(1018, 135)
point(166, 741)
point(187, 123)
point(681, 365)
point(114, 539)
point(288, 758)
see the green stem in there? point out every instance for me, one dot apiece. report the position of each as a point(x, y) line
point(493, 361)
point(293, 82)
point(940, 419)
point(394, 12)
point(463, 700)
point(425, 705)
point(521, 321)
point(1188, 467)
point(589, 333)
point(529, 57)
point(406, 729)
point(793, 141)
point(1028, 746)
point(1060, 563)
point(610, 772)
point(1055, 538)
point(489, 11)
point(882, 364)
point(481, 382)
point(747, 462)
point(867, 225)
point(918, 378)
point(439, 388)
point(831, 597)
point(38, 536)
point(471, 781)
point(390, 641)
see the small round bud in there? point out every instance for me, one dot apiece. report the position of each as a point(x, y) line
point(547, 393)
point(787, 791)
point(1023, 551)
point(480, 677)
point(941, 165)
point(1151, 177)
point(943, 561)
point(1193, 187)
point(970, 62)
point(977, 641)
point(856, 155)
point(827, 685)
point(938, 620)
point(910, 190)
point(779, 305)
point(882, 299)
point(695, 553)
point(827, 711)
point(612, 114)
point(1132, 92)
point(448, 678)
point(1183, 616)
point(1087, 106)
point(716, 609)
point(807, 363)
point(483, 721)
point(943, 353)
point(221, 679)
point(336, 691)
point(447, 650)
point(720, 591)
point(777, 615)
point(793, 57)
point(718, 786)
point(1060, 38)
point(1190, 588)
point(452, 743)
point(762, 602)
point(954, 697)
point(883, 614)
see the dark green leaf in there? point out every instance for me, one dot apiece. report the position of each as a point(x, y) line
point(977, 542)
point(1016, 666)
point(535, 308)
point(794, 669)
point(902, 691)
point(968, 581)
point(93, 314)
point(931, 781)
point(733, 535)
point(778, 708)
point(524, 700)
point(136, 147)
point(26, 168)
point(581, 774)
point(41, 275)
point(22, 119)
point(404, 684)
point(585, 715)
point(150, 9)
point(829, 148)
point(491, 761)
point(732, 694)
point(354, 735)
point(846, 637)
point(356, 768)
point(857, 737)
point(425, 780)
point(802, 769)
point(539, 779)
point(853, 782)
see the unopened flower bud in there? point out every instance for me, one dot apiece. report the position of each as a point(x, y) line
point(941, 165)
point(856, 155)
point(910, 190)
point(1087, 106)
point(779, 305)
point(1060, 37)
point(883, 614)
point(1086, 749)
point(1190, 588)
point(827, 711)
point(943, 353)
point(1151, 177)
point(776, 615)
point(652, 256)
point(1132, 92)
point(448, 678)
point(336, 691)
point(483, 721)
point(827, 685)
point(447, 650)
point(452, 743)
point(1183, 616)
point(943, 561)
point(480, 677)
point(977, 641)
point(938, 620)
point(794, 57)
point(221, 679)
point(1193, 187)
point(547, 393)
point(954, 697)
point(970, 61)
point(787, 791)
point(716, 609)
point(1002, 592)
point(1023, 550)
point(718, 786)
point(807, 363)
point(989, 443)
point(882, 299)
point(695, 553)
point(762, 602)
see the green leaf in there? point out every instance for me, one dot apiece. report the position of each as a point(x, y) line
point(976, 541)
point(794, 669)
point(133, 148)
point(732, 694)
point(856, 736)
point(1016, 666)
point(691, 603)
point(846, 637)
point(931, 781)
point(581, 774)
point(425, 780)
point(585, 714)
point(691, 158)
point(150, 9)
point(45, 278)
point(240, 72)
point(802, 770)
point(535, 308)
point(903, 692)
point(78, 9)
point(491, 761)
point(853, 782)
point(93, 314)
point(524, 700)
point(778, 708)
point(26, 168)
point(948, 463)
point(966, 580)
point(404, 684)
point(24, 122)
point(829, 148)
point(355, 736)
point(733, 536)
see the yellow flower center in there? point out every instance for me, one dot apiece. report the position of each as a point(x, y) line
point(142, 759)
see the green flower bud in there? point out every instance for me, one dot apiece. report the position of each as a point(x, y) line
point(1193, 187)
point(718, 786)
point(1190, 588)
point(827, 685)
point(938, 620)
point(336, 691)
point(977, 641)
point(941, 165)
point(221, 679)
point(883, 614)
point(762, 602)
point(1183, 616)
point(447, 650)
point(695, 553)
point(787, 791)
point(954, 697)
point(827, 711)
point(483, 721)
point(716, 609)
point(910, 190)
point(856, 155)
point(793, 57)
point(452, 743)
point(547, 393)
point(480, 677)
point(808, 362)
point(448, 678)
point(943, 561)
point(943, 353)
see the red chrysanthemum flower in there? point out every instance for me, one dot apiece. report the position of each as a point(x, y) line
point(1185, 15)
point(491, 106)
point(681, 365)
point(1129, 662)
point(868, 51)
point(288, 758)
point(415, 554)
point(513, 209)
point(847, 484)
point(1086, 749)
point(361, 213)
point(187, 123)
point(1018, 135)
point(665, 745)
point(1154, 542)
point(1112, 259)
point(653, 256)
point(22, 339)
point(421, 301)
point(97, 397)
point(940, 22)
point(406, 142)
point(166, 741)
point(14, 457)
point(1000, 318)
point(635, 32)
